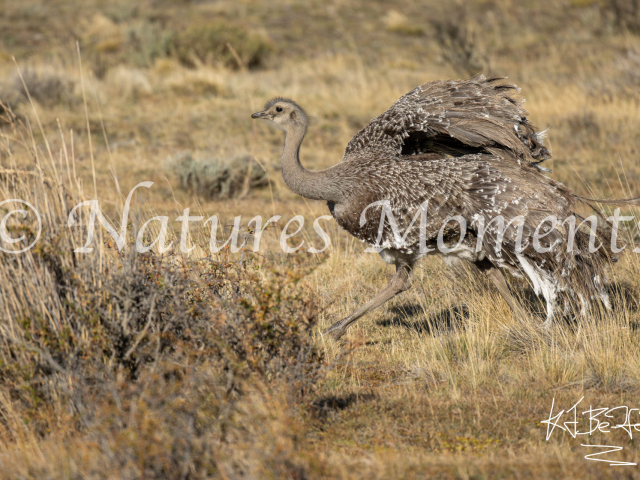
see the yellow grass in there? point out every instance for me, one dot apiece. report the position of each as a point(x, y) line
point(441, 382)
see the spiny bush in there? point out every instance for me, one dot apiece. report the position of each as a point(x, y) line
point(215, 177)
point(153, 359)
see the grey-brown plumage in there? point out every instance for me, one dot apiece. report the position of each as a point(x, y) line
point(455, 118)
point(464, 149)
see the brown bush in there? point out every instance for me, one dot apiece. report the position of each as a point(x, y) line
point(625, 13)
point(152, 358)
point(46, 87)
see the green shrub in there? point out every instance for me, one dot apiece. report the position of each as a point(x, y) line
point(217, 178)
point(147, 41)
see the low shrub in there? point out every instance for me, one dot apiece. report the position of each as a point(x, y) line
point(396, 22)
point(223, 43)
point(46, 87)
point(460, 46)
point(88, 330)
point(215, 177)
point(145, 42)
point(625, 13)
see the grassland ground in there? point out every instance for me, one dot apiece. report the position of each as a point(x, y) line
point(194, 366)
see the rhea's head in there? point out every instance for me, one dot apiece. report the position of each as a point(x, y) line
point(286, 114)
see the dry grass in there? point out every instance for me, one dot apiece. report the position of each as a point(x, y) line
point(213, 366)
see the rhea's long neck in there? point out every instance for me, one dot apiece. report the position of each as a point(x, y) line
point(313, 185)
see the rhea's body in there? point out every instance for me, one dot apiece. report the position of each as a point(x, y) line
point(462, 149)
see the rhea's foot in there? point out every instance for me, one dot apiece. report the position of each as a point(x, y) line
point(335, 331)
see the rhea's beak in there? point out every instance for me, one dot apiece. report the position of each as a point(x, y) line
point(261, 115)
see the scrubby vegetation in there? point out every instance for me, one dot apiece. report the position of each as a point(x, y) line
point(205, 365)
point(230, 45)
point(217, 178)
point(143, 354)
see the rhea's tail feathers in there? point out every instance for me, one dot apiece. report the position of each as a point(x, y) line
point(586, 279)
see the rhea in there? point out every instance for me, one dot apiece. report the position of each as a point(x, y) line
point(465, 150)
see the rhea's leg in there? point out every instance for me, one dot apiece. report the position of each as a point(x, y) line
point(400, 282)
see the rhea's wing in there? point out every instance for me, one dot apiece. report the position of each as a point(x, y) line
point(452, 118)
point(405, 202)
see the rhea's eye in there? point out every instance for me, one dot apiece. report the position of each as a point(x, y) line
point(278, 109)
